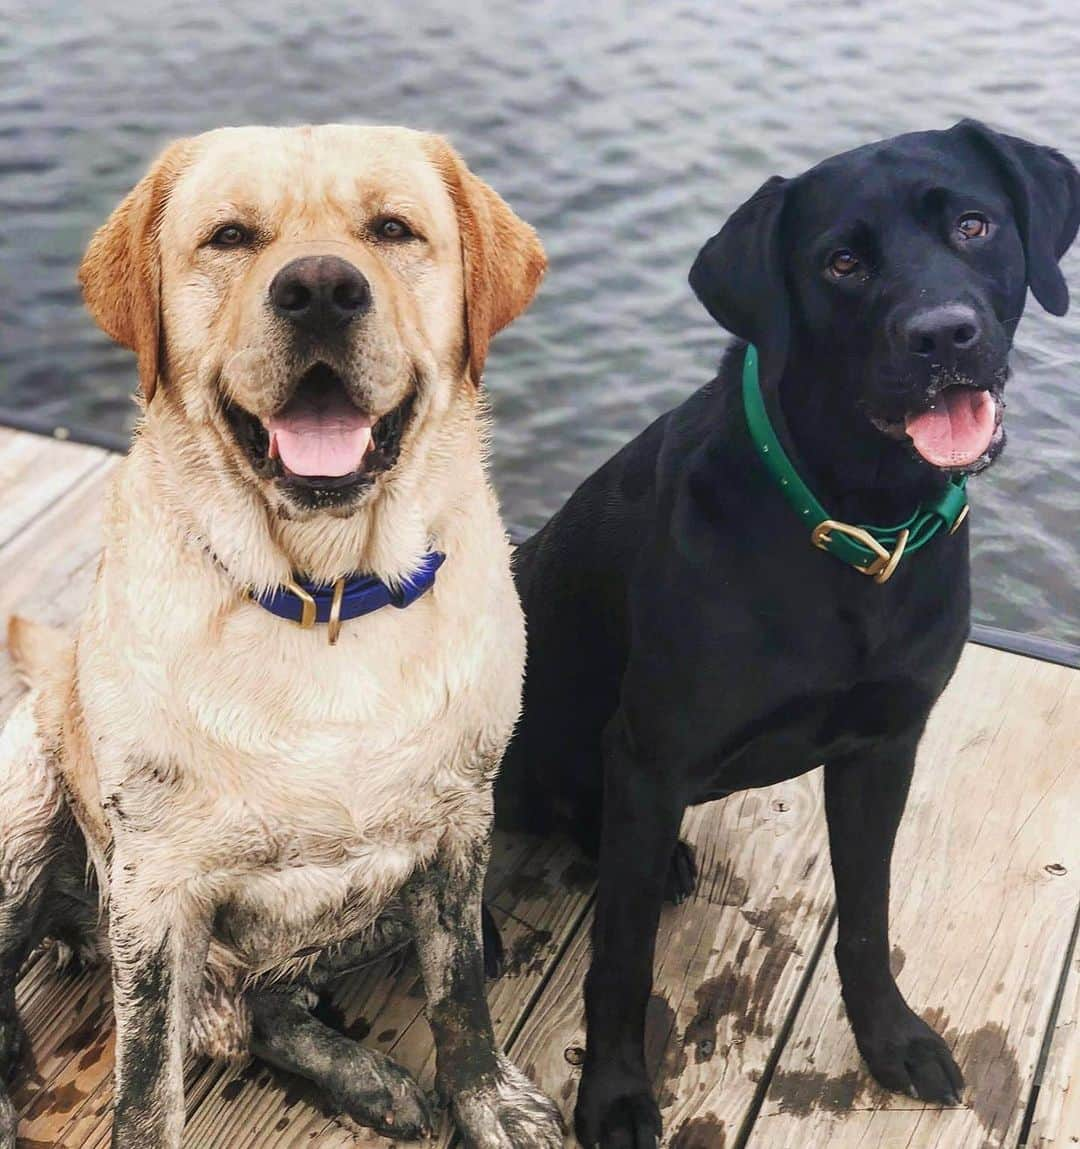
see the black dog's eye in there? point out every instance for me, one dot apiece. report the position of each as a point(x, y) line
point(973, 225)
point(392, 228)
point(231, 235)
point(842, 263)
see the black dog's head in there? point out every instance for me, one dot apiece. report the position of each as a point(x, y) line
point(894, 275)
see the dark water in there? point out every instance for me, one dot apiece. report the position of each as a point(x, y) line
point(624, 132)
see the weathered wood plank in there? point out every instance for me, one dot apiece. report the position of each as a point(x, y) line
point(51, 529)
point(987, 875)
point(1057, 1110)
point(35, 471)
point(728, 965)
point(46, 567)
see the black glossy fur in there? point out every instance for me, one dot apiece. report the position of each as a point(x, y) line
point(686, 640)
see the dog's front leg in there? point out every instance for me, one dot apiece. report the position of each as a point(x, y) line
point(159, 938)
point(495, 1105)
point(642, 813)
point(864, 800)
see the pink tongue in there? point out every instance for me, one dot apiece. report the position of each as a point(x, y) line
point(957, 431)
point(320, 443)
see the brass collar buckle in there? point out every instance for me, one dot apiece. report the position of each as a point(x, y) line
point(881, 566)
point(309, 611)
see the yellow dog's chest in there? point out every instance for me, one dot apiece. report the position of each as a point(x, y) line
point(300, 869)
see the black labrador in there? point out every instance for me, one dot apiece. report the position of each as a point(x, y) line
point(686, 637)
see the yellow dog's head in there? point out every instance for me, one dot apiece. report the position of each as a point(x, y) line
point(311, 296)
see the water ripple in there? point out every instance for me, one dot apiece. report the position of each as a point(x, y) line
point(626, 131)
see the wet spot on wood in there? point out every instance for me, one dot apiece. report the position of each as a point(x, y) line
point(700, 1133)
point(358, 1029)
point(524, 886)
point(62, 1099)
point(282, 1125)
point(741, 997)
point(331, 1014)
point(724, 887)
point(526, 953)
point(579, 875)
point(387, 1035)
point(897, 960)
point(232, 1089)
point(88, 1031)
point(799, 1091)
point(727, 994)
point(994, 1080)
point(774, 923)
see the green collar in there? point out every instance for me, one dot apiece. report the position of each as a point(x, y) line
point(870, 550)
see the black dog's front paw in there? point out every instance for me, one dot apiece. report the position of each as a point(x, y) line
point(616, 1111)
point(905, 1055)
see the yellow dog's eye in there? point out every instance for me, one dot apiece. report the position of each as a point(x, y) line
point(842, 263)
point(391, 228)
point(973, 225)
point(231, 235)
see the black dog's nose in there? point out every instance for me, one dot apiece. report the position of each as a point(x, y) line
point(321, 293)
point(941, 333)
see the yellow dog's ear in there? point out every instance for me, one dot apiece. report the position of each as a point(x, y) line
point(502, 257)
point(121, 271)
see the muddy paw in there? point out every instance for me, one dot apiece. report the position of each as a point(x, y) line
point(507, 1112)
point(373, 1091)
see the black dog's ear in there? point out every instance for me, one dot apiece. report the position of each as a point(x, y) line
point(1045, 190)
point(739, 276)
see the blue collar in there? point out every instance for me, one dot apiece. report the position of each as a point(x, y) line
point(308, 603)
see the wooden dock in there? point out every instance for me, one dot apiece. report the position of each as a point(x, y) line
point(747, 1039)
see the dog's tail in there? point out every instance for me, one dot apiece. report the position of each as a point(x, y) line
point(36, 650)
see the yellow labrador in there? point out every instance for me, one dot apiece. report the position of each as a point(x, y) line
point(267, 801)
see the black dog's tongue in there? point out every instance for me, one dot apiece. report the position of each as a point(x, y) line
point(957, 430)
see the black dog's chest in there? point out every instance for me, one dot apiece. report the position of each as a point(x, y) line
point(807, 730)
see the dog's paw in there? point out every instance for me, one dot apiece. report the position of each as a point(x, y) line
point(616, 1110)
point(371, 1090)
point(905, 1055)
point(506, 1111)
point(72, 960)
point(682, 874)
